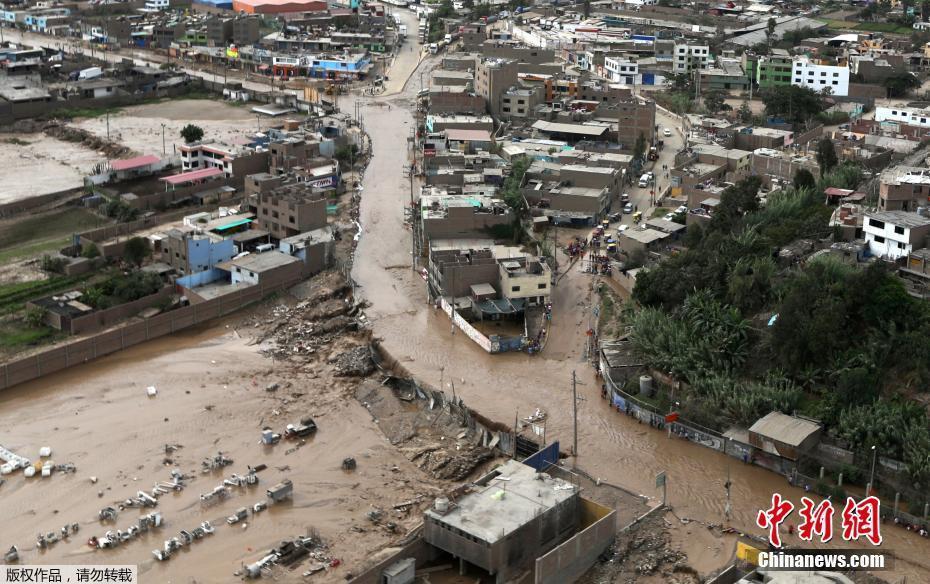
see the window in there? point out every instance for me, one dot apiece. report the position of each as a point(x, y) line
point(541, 286)
point(900, 245)
point(264, 211)
point(291, 219)
point(876, 223)
point(879, 239)
point(836, 74)
point(514, 288)
point(797, 80)
point(835, 83)
point(899, 230)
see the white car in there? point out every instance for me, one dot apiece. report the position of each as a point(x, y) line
point(670, 217)
point(622, 228)
point(628, 208)
point(666, 132)
point(682, 209)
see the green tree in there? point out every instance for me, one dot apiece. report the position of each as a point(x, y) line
point(512, 185)
point(826, 155)
point(682, 82)
point(795, 104)
point(191, 133)
point(136, 250)
point(715, 101)
point(803, 179)
point(900, 84)
point(735, 202)
point(770, 29)
point(639, 148)
point(744, 113)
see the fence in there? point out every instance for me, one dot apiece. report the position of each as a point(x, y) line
point(24, 205)
point(62, 357)
point(706, 437)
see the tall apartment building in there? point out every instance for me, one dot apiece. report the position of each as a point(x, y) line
point(688, 58)
point(807, 73)
point(493, 77)
point(774, 69)
point(290, 210)
point(636, 116)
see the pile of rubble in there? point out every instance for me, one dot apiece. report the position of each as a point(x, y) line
point(87, 139)
point(643, 552)
point(355, 362)
point(290, 552)
point(434, 439)
point(312, 324)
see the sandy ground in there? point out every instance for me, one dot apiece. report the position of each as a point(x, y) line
point(140, 127)
point(45, 165)
point(211, 397)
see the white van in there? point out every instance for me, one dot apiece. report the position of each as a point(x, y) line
point(644, 181)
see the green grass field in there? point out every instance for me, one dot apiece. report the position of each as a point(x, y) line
point(43, 233)
point(889, 27)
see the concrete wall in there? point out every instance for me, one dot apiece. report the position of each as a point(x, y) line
point(62, 357)
point(102, 319)
point(418, 549)
point(570, 560)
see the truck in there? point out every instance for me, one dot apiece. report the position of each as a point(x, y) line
point(433, 48)
point(84, 74)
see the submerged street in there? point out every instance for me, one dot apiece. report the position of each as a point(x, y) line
point(611, 446)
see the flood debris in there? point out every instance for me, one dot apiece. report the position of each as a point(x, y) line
point(215, 463)
point(348, 463)
point(183, 539)
point(12, 461)
point(288, 553)
point(270, 437)
point(305, 427)
point(355, 362)
point(108, 514)
point(11, 556)
point(281, 491)
point(118, 537)
point(220, 493)
point(44, 540)
point(241, 514)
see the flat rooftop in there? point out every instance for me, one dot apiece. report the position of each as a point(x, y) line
point(902, 218)
point(259, 262)
point(502, 506)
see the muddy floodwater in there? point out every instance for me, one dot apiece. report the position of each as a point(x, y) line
point(210, 397)
point(610, 445)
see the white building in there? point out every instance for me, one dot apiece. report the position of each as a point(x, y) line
point(903, 114)
point(155, 5)
point(895, 234)
point(622, 70)
point(690, 57)
point(806, 73)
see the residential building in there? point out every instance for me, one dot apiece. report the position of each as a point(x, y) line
point(316, 248)
point(726, 74)
point(290, 210)
point(269, 267)
point(155, 5)
point(487, 280)
point(914, 116)
point(232, 160)
point(807, 73)
point(622, 69)
point(493, 77)
point(635, 116)
point(775, 165)
point(895, 234)
point(904, 188)
point(503, 527)
point(445, 216)
point(774, 69)
point(690, 57)
point(518, 102)
point(191, 252)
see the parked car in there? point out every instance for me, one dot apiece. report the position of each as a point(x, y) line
point(625, 198)
point(622, 228)
point(682, 209)
point(628, 208)
point(614, 217)
point(666, 132)
point(670, 217)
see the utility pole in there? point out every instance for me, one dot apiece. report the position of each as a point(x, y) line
point(108, 125)
point(164, 150)
point(575, 414)
point(727, 508)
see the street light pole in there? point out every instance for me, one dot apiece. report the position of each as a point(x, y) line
point(575, 414)
point(868, 490)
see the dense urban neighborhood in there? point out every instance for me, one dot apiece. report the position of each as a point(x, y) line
point(465, 291)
